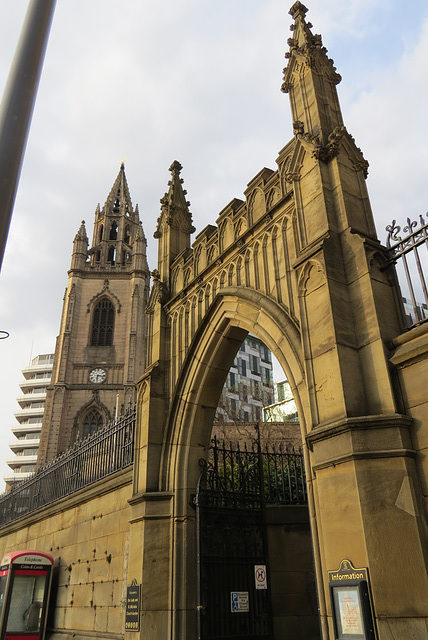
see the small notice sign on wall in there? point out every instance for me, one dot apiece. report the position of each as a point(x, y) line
point(239, 601)
point(260, 576)
point(132, 613)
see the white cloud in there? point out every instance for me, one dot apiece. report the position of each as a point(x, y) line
point(199, 82)
point(390, 123)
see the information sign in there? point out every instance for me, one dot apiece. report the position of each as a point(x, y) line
point(351, 604)
point(349, 611)
point(132, 613)
point(239, 601)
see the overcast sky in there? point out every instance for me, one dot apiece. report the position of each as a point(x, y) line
point(196, 81)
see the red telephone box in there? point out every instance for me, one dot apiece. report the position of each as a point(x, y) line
point(25, 581)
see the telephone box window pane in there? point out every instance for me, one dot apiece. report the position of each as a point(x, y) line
point(26, 604)
point(3, 582)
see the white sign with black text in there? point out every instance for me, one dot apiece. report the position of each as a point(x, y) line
point(260, 576)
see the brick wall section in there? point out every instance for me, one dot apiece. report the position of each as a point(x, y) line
point(271, 433)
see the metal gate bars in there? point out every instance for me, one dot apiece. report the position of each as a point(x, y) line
point(234, 600)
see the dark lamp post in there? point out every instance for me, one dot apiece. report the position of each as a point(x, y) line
point(17, 105)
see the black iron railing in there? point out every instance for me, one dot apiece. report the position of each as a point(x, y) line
point(404, 251)
point(248, 469)
point(284, 475)
point(98, 456)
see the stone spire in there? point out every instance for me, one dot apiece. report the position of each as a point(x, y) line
point(174, 225)
point(80, 248)
point(139, 260)
point(119, 198)
point(103, 325)
point(310, 79)
point(116, 227)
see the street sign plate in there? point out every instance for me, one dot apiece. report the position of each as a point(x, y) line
point(239, 601)
point(260, 576)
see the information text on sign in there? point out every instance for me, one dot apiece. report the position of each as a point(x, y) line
point(239, 601)
point(132, 613)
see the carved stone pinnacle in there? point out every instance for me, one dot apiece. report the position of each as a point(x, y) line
point(298, 9)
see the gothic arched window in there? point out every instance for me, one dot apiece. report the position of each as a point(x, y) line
point(111, 256)
point(113, 231)
point(91, 423)
point(102, 324)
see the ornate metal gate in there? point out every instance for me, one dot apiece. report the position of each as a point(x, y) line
point(232, 541)
point(234, 488)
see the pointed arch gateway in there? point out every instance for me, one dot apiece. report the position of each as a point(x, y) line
point(235, 313)
point(174, 470)
point(310, 291)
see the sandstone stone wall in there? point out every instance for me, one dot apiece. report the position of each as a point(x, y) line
point(88, 535)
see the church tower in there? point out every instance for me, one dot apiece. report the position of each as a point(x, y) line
point(101, 348)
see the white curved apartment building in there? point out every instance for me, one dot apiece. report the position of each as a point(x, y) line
point(29, 418)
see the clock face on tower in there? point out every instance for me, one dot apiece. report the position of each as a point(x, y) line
point(97, 376)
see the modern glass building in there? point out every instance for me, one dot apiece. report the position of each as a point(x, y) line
point(249, 384)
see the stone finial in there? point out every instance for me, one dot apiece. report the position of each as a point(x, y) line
point(307, 48)
point(80, 248)
point(81, 234)
point(175, 168)
point(298, 10)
